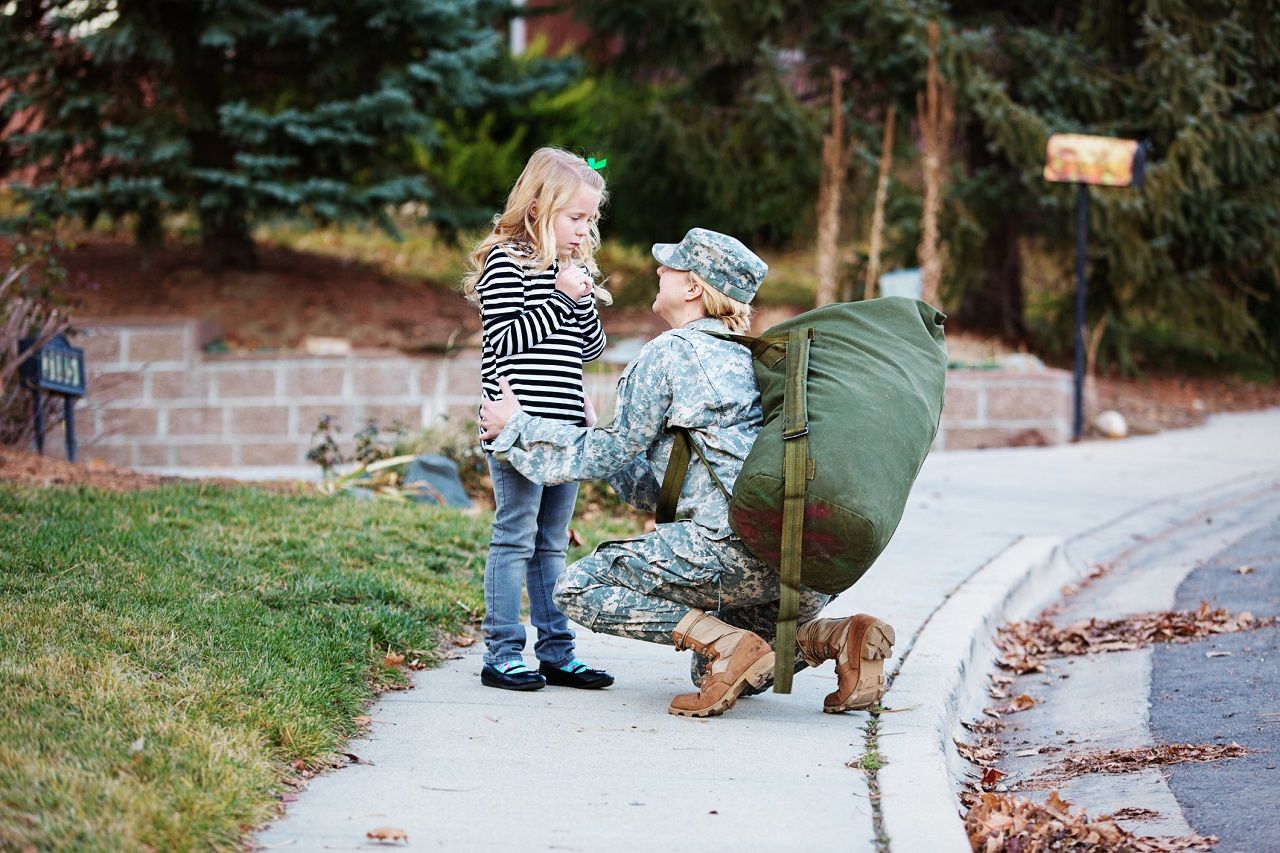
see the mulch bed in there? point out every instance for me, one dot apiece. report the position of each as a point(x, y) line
point(1155, 403)
point(30, 469)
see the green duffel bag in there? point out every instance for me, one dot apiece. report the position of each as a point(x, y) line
point(852, 397)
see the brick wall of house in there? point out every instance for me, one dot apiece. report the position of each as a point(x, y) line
point(157, 400)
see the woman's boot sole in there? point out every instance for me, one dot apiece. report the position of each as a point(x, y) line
point(876, 645)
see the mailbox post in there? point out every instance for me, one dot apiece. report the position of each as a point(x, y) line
point(55, 368)
point(1074, 158)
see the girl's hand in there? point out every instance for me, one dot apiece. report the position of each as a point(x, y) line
point(573, 282)
point(589, 410)
point(494, 414)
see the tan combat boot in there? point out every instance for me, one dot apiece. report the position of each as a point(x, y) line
point(859, 645)
point(738, 658)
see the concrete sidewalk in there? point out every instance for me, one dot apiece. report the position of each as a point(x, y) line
point(460, 766)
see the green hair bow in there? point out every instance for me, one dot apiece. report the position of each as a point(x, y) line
point(597, 164)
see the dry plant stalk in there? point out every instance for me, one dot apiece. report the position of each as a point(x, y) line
point(20, 317)
point(882, 194)
point(936, 111)
point(835, 168)
point(1093, 341)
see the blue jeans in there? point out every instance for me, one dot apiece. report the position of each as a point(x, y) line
point(530, 537)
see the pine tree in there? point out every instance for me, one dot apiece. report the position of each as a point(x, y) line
point(239, 109)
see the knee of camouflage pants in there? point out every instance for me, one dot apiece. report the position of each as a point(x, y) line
point(568, 592)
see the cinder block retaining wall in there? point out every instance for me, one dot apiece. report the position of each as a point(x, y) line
point(156, 399)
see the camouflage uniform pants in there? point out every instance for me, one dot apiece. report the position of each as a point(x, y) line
point(643, 587)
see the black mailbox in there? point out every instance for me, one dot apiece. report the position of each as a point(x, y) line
point(55, 368)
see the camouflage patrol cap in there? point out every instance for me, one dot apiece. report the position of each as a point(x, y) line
point(718, 259)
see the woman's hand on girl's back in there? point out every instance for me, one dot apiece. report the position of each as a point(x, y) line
point(494, 414)
point(589, 411)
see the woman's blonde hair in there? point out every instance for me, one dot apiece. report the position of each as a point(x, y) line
point(736, 315)
point(545, 187)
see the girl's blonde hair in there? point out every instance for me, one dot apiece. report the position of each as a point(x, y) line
point(736, 315)
point(545, 187)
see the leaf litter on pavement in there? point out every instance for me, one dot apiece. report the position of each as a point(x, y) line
point(1024, 645)
point(998, 823)
point(1138, 758)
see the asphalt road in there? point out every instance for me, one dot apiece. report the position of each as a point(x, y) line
point(1229, 697)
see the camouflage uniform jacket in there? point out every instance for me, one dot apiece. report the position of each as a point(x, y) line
point(680, 378)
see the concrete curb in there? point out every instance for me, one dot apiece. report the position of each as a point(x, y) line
point(934, 688)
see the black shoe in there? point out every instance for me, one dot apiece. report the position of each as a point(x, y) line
point(511, 675)
point(575, 673)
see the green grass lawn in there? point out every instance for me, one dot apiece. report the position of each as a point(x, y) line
point(166, 654)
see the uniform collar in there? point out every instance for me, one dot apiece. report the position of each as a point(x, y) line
point(712, 323)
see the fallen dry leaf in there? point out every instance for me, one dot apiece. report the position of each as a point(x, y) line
point(1245, 570)
point(983, 727)
point(363, 720)
point(387, 834)
point(1136, 813)
point(991, 776)
point(983, 753)
point(1020, 703)
point(392, 660)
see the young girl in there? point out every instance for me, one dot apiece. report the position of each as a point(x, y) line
point(532, 278)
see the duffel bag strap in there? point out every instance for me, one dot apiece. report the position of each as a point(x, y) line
point(795, 463)
point(677, 469)
point(688, 436)
point(673, 479)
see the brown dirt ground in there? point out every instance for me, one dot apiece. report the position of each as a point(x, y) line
point(29, 469)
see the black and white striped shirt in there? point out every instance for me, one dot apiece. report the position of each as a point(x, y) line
point(535, 336)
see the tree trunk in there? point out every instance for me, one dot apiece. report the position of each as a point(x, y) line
point(936, 108)
point(882, 195)
point(997, 308)
point(835, 163)
point(225, 241)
